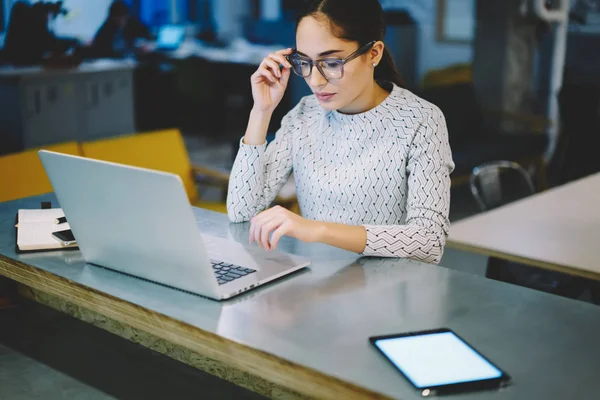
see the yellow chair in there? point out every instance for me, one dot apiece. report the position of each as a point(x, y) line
point(22, 174)
point(162, 151)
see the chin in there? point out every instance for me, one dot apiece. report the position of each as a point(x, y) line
point(330, 105)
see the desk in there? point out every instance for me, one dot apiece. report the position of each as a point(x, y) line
point(307, 334)
point(558, 229)
point(44, 106)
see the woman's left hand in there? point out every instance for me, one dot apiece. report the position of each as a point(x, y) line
point(279, 221)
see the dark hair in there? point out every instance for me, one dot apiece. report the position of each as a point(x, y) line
point(360, 21)
point(118, 8)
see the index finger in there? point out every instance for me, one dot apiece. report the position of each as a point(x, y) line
point(284, 51)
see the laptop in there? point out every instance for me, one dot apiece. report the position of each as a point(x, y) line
point(170, 37)
point(140, 222)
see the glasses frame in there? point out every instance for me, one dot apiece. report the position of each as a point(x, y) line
point(317, 63)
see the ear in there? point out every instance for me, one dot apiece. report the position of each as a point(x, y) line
point(376, 52)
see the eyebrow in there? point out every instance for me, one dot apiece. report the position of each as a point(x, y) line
point(323, 54)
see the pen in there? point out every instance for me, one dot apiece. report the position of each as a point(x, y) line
point(60, 220)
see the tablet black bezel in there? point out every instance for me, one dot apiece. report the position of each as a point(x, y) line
point(484, 384)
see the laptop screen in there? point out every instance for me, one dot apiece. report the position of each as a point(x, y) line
point(170, 36)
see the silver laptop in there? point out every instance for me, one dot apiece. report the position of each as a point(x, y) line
point(140, 222)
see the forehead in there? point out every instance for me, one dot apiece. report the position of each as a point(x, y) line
point(314, 36)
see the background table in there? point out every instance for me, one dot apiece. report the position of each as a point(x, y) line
point(558, 229)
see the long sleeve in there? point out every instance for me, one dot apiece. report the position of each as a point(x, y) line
point(258, 174)
point(429, 165)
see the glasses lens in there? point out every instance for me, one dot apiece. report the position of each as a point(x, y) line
point(332, 69)
point(301, 67)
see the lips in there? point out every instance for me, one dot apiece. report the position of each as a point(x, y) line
point(324, 96)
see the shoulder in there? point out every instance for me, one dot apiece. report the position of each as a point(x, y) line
point(421, 109)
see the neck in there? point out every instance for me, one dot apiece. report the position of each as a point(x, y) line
point(368, 99)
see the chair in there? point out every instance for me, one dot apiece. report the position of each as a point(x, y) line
point(23, 175)
point(162, 151)
point(498, 183)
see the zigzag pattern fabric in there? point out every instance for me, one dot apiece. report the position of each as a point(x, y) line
point(387, 169)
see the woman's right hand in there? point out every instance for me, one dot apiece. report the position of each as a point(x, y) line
point(269, 82)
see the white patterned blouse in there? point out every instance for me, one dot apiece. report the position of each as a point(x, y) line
point(387, 169)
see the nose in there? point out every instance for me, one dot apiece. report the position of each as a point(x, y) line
point(316, 78)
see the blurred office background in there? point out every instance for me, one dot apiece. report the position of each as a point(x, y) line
point(511, 84)
point(514, 83)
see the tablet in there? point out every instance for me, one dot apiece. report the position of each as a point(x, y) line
point(439, 362)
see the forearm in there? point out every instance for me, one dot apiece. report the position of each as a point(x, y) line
point(259, 170)
point(258, 125)
point(347, 237)
point(244, 197)
point(420, 240)
point(405, 241)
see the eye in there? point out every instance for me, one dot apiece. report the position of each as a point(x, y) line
point(330, 64)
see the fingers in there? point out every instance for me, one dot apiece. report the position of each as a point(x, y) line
point(264, 73)
point(266, 230)
point(273, 66)
point(278, 233)
point(260, 233)
point(263, 224)
point(280, 59)
point(284, 51)
point(253, 227)
point(270, 70)
point(255, 224)
point(285, 77)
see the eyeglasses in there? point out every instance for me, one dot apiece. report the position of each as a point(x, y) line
point(330, 68)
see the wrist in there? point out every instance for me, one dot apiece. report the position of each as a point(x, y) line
point(258, 123)
point(320, 231)
point(261, 114)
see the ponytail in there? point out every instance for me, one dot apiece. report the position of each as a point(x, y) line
point(386, 70)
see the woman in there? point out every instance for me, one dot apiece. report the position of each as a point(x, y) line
point(371, 160)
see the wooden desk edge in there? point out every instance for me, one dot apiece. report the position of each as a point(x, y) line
point(286, 374)
point(522, 260)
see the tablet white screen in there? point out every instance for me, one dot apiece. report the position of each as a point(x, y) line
point(437, 359)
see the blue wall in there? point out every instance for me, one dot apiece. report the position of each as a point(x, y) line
point(155, 12)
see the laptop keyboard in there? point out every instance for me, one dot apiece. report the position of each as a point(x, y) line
point(226, 272)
